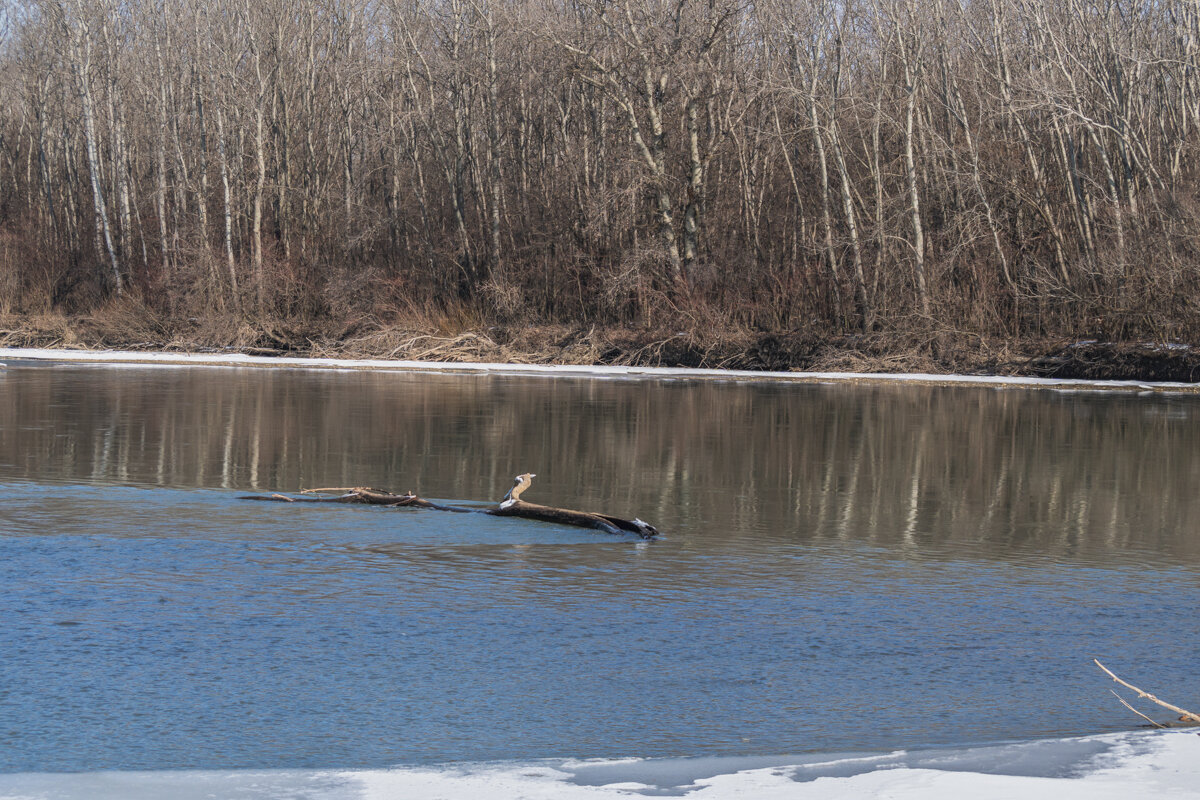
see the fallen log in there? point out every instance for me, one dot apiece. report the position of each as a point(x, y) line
point(514, 506)
point(511, 506)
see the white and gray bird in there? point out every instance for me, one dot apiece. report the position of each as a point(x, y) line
point(520, 484)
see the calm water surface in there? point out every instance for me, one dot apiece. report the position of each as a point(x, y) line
point(843, 567)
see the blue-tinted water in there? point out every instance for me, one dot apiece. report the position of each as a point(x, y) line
point(858, 569)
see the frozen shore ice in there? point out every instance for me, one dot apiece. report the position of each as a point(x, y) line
point(1104, 767)
point(139, 358)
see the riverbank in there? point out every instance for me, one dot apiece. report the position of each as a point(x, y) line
point(441, 341)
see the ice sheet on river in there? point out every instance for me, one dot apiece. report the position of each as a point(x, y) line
point(1144, 763)
point(139, 358)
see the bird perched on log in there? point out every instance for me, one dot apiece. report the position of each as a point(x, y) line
point(514, 506)
point(511, 506)
point(520, 484)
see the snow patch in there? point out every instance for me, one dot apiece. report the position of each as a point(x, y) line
point(1111, 767)
point(1107, 767)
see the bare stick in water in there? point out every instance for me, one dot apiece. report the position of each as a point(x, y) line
point(1125, 703)
point(1185, 715)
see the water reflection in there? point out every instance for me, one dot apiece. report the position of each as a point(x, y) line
point(916, 468)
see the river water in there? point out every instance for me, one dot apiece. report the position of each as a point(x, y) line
point(842, 567)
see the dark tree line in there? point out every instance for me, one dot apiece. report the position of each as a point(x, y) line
point(1014, 167)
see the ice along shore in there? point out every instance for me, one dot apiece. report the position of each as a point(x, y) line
point(17, 356)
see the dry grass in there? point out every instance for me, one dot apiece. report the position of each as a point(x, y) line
point(456, 335)
point(38, 330)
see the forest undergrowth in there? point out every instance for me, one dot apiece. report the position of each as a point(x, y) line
point(686, 342)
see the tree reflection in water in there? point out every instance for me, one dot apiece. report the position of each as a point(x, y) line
point(1002, 471)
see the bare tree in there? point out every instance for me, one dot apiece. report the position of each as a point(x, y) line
point(77, 26)
point(998, 166)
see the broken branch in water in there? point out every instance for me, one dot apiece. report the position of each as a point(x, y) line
point(1125, 703)
point(356, 494)
point(1184, 714)
point(511, 506)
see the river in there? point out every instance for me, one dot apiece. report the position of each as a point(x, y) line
point(841, 567)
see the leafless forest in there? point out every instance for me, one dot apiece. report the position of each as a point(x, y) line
point(1002, 167)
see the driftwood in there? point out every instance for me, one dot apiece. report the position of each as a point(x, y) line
point(1186, 717)
point(357, 494)
point(514, 506)
point(511, 506)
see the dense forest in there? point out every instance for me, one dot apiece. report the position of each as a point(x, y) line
point(1010, 168)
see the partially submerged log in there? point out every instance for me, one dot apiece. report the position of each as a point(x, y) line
point(1186, 718)
point(356, 494)
point(511, 506)
point(514, 506)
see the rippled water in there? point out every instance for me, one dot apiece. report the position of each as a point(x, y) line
point(843, 567)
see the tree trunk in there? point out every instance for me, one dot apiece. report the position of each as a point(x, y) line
point(80, 38)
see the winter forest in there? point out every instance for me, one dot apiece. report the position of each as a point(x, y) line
point(1003, 167)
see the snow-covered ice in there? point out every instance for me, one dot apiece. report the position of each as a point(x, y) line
point(1164, 764)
